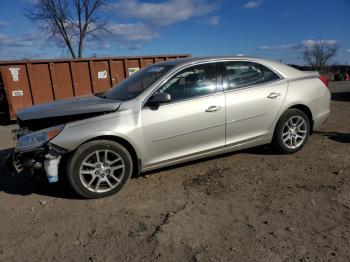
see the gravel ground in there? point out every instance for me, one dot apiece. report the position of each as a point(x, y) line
point(251, 205)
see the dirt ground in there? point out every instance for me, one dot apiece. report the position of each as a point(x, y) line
point(251, 205)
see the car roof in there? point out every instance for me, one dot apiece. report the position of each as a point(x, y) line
point(190, 60)
point(284, 70)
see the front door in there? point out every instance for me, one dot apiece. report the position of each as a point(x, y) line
point(192, 123)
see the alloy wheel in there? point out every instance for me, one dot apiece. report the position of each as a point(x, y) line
point(102, 171)
point(294, 132)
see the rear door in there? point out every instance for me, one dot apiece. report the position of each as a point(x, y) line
point(254, 95)
point(194, 121)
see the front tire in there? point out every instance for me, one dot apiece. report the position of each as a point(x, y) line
point(99, 168)
point(291, 132)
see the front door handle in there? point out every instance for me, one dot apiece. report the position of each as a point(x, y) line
point(273, 95)
point(211, 109)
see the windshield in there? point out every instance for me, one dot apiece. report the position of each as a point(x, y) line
point(135, 84)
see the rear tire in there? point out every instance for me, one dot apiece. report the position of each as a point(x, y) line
point(291, 132)
point(99, 168)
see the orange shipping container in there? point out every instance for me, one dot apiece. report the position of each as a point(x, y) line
point(31, 82)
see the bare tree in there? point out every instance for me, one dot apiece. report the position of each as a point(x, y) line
point(318, 53)
point(69, 22)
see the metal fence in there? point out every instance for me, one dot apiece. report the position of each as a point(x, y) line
point(31, 82)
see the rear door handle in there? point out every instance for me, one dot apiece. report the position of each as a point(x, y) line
point(211, 109)
point(273, 95)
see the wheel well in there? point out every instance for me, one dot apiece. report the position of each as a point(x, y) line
point(308, 112)
point(128, 146)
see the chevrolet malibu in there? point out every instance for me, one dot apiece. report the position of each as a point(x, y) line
point(170, 113)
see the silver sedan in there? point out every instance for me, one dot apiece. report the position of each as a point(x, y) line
point(170, 113)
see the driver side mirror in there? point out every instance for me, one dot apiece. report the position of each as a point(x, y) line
point(159, 98)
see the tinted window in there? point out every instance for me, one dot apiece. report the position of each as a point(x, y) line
point(136, 83)
point(192, 82)
point(240, 74)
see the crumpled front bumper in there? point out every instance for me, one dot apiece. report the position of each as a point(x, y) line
point(45, 158)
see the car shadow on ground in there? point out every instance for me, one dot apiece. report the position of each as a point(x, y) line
point(26, 184)
point(5, 121)
point(259, 150)
point(336, 136)
point(341, 96)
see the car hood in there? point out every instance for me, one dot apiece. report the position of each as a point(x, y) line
point(66, 110)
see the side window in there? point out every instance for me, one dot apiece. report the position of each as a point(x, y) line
point(241, 74)
point(269, 75)
point(192, 82)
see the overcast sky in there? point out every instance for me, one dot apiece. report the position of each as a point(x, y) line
point(276, 29)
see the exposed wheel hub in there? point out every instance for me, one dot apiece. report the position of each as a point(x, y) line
point(292, 132)
point(102, 170)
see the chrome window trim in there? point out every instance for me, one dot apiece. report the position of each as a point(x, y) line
point(194, 63)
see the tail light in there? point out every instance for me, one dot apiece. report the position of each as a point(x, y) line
point(325, 80)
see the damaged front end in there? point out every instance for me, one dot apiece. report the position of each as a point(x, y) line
point(39, 124)
point(35, 152)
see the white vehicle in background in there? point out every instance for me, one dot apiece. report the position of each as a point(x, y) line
point(170, 113)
